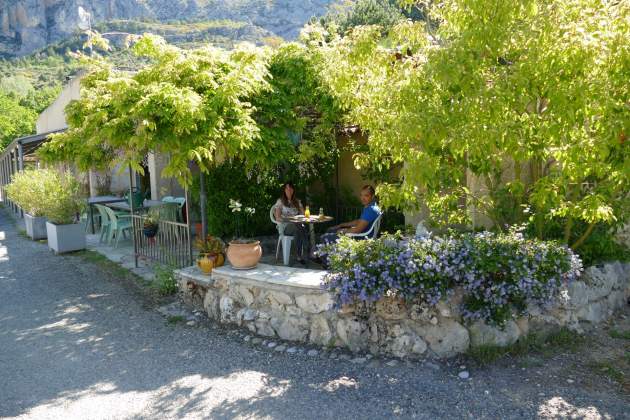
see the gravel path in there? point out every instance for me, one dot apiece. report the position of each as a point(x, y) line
point(76, 342)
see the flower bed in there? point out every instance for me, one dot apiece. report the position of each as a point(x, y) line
point(412, 310)
point(501, 274)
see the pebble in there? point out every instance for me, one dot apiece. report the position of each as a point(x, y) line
point(358, 360)
point(374, 364)
point(368, 356)
point(292, 350)
point(464, 374)
point(256, 340)
point(280, 348)
point(191, 323)
point(432, 365)
point(392, 363)
point(345, 357)
point(312, 353)
point(333, 355)
point(570, 381)
point(247, 338)
point(271, 345)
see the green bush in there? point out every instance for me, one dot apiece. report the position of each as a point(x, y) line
point(28, 188)
point(230, 181)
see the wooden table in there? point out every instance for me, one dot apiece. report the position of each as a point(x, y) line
point(311, 222)
point(102, 199)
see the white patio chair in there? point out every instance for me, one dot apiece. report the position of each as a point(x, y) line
point(372, 232)
point(284, 240)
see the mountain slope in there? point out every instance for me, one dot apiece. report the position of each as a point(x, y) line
point(29, 25)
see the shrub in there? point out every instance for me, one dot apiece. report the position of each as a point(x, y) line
point(64, 200)
point(500, 273)
point(27, 189)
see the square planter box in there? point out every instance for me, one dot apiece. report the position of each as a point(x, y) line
point(35, 226)
point(66, 238)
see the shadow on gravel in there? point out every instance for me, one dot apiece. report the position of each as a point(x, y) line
point(75, 342)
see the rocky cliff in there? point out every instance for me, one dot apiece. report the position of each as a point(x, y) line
point(27, 25)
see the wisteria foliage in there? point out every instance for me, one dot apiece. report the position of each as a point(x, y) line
point(501, 274)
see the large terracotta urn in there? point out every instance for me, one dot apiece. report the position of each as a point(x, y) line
point(244, 255)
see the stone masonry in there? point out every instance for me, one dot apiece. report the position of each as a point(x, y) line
point(288, 303)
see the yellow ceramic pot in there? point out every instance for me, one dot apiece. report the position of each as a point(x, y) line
point(220, 260)
point(206, 263)
point(244, 255)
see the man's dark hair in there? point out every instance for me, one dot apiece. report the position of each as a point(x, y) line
point(370, 189)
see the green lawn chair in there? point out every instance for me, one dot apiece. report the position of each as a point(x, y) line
point(105, 223)
point(181, 202)
point(118, 224)
point(167, 212)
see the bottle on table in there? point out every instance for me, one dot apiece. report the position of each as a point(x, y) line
point(321, 212)
point(307, 212)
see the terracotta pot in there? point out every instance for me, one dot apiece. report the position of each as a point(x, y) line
point(206, 263)
point(243, 256)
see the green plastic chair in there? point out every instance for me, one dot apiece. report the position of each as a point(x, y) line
point(181, 202)
point(105, 222)
point(167, 211)
point(118, 224)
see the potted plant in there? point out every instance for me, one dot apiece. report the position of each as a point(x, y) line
point(63, 202)
point(210, 253)
point(27, 190)
point(242, 253)
point(151, 224)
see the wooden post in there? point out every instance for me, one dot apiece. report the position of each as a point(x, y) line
point(202, 203)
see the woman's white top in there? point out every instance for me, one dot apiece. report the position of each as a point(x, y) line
point(287, 211)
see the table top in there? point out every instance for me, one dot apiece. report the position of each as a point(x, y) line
point(125, 205)
point(103, 199)
point(313, 219)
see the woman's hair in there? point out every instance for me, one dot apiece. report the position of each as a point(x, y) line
point(285, 200)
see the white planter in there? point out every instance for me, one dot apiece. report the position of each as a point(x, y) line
point(35, 226)
point(66, 238)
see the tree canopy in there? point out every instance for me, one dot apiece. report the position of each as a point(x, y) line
point(536, 85)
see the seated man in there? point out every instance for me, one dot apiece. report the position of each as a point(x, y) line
point(370, 213)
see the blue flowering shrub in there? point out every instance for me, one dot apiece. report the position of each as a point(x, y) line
point(501, 274)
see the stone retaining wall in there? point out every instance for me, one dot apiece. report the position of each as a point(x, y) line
point(289, 304)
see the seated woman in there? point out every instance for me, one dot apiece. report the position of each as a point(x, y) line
point(287, 206)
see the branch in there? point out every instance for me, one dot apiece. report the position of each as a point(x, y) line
point(582, 238)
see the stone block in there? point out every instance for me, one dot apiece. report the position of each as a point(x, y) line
point(594, 311)
point(242, 294)
point(292, 328)
point(314, 303)
point(277, 300)
point(616, 299)
point(578, 294)
point(483, 334)
point(321, 333)
point(353, 333)
point(263, 325)
point(228, 309)
point(446, 339)
point(523, 325)
point(391, 308)
point(211, 304)
point(246, 315)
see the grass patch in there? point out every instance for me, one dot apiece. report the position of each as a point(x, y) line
point(164, 282)
point(532, 343)
point(623, 335)
point(22, 233)
point(111, 267)
point(175, 319)
point(609, 370)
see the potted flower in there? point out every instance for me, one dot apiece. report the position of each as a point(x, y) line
point(210, 253)
point(242, 253)
point(63, 202)
point(151, 224)
point(27, 190)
